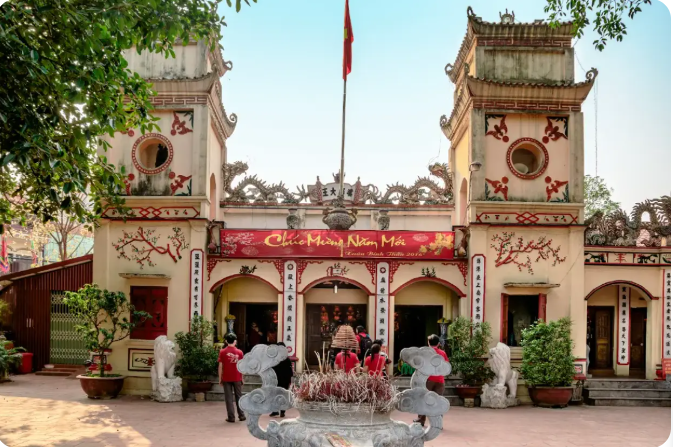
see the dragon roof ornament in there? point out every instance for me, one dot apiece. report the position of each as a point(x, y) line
point(620, 229)
point(253, 190)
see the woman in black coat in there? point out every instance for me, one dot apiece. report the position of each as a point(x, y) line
point(284, 374)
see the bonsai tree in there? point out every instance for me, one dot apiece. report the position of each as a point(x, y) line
point(547, 354)
point(107, 317)
point(198, 359)
point(469, 347)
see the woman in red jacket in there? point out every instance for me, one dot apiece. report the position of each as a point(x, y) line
point(375, 362)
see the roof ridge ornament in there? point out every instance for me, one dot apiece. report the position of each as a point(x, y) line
point(507, 18)
point(591, 74)
point(447, 69)
point(470, 12)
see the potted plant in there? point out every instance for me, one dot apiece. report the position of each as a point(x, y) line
point(198, 357)
point(469, 347)
point(548, 362)
point(107, 317)
point(10, 360)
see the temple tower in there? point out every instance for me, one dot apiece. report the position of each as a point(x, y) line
point(173, 187)
point(517, 153)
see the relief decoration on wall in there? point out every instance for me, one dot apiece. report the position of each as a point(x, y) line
point(462, 267)
point(150, 212)
point(508, 248)
point(556, 187)
point(428, 272)
point(526, 217)
point(127, 183)
point(620, 229)
point(499, 130)
point(182, 183)
point(179, 126)
point(633, 259)
point(499, 187)
point(557, 127)
point(246, 270)
point(143, 243)
point(337, 270)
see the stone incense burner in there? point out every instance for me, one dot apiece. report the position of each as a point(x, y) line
point(358, 426)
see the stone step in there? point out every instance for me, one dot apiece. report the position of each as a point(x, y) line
point(68, 370)
point(628, 401)
point(53, 373)
point(626, 392)
point(626, 384)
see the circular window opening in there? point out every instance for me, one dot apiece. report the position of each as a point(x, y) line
point(152, 154)
point(527, 158)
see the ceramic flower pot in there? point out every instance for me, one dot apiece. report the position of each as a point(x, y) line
point(468, 392)
point(199, 387)
point(551, 396)
point(101, 387)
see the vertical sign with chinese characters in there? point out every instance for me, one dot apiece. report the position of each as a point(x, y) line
point(478, 282)
point(382, 302)
point(666, 316)
point(624, 325)
point(289, 325)
point(196, 283)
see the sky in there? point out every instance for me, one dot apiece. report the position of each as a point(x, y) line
point(286, 89)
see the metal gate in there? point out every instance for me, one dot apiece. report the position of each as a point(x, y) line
point(65, 346)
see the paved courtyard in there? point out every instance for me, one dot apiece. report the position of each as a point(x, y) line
point(53, 411)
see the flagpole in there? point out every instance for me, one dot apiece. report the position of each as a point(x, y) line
point(343, 142)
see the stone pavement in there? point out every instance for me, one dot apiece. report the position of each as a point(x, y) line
point(53, 411)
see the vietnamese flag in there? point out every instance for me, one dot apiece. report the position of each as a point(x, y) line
point(348, 42)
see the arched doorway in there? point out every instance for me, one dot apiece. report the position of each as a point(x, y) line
point(619, 339)
point(254, 304)
point(329, 303)
point(419, 304)
point(463, 203)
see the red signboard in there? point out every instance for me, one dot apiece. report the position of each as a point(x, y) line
point(666, 366)
point(337, 244)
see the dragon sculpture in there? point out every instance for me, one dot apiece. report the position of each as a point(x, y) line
point(252, 189)
point(258, 190)
point(424, 189)
point(620, 229)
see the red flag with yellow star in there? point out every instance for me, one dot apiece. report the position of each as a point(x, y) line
point(348, 42)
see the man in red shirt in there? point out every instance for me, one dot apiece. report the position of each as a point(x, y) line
point(434, 383)
point(230, 377)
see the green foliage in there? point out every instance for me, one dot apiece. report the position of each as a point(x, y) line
point(4, 310)
point(10, 360)
point(598, 196)
point(66, 83)
point(548, 354)
point(198, 358)
point(469, 346)
point(107, 317)
point(608, 16)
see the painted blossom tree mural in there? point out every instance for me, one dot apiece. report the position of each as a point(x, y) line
point(509, 248)
point(143, 243)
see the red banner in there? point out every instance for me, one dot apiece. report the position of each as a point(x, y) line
point(337, 244)
point(666, 366)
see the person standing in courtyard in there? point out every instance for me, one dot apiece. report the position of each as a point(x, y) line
point(364, 343)
point(434, 383)
point(284, 375)
point(375, 362)
point(347, 361)
point(230, 377)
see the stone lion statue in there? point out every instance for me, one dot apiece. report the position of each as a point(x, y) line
point(499, 360)
point(164, 360)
